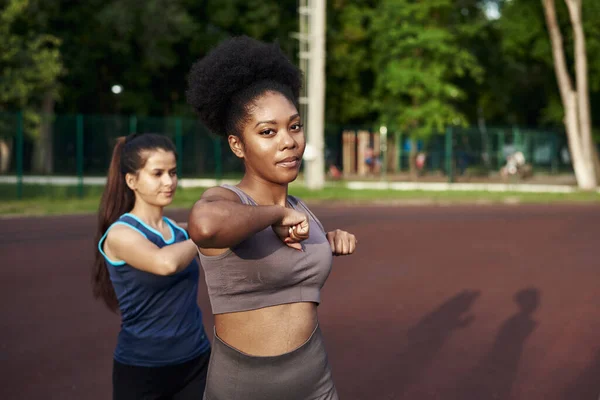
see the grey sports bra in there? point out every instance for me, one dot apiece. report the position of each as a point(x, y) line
point(262, 271)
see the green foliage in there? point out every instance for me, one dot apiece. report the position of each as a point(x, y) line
point(30, 65)
point(414, 65)
point(423, 65)
point(349, 65)
point(591, 15)
point(417, 54)
point(148, 47)
point(30, 61)
point(255, 18)
point(525, 41)
point(150, 28)
point(528, 80)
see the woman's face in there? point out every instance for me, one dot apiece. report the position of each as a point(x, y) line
point(156, 182)
point(273, 141)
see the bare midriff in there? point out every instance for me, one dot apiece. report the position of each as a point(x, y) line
point(268, 331)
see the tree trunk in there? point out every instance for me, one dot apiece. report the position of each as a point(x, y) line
point(583, 172)
point(5, 150)
point(581, 77)
point(43, 152)
point(596, 162)
point(577, 120)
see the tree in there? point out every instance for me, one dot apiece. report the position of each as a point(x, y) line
point(148, 47)
point(349, 67)
point(523, 79)
point(418, 59)
point(30, 65)
point(137, 45)
point(575, 97)
point(30, 61)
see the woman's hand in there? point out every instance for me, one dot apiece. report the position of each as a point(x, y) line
point(293, 228)
point(342, 242)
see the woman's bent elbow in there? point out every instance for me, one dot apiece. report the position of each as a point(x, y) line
point(200, 232)
point(204, 223)
point(167, 267)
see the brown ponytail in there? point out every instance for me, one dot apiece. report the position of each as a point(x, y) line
point(118, 199)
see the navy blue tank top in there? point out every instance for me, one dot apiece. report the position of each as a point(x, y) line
point(161, 321)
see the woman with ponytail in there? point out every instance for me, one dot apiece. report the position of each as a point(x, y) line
point(145, 269)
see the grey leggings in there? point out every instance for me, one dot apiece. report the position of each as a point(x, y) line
point(302, 374)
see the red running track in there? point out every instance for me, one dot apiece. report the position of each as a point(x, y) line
point(489, 302)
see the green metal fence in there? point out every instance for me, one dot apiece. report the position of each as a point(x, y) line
point(81, 145)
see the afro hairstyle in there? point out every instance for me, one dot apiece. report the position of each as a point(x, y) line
point(222, 85)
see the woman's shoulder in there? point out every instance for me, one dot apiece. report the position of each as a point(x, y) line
point(223, 192)
point(120, 235)
point(121, 229)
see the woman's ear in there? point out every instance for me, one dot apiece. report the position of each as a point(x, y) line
point(131, 181)
point(236, 145)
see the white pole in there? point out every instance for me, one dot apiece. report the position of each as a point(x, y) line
point(315, 163)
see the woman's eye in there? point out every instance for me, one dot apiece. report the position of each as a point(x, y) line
point(266, 132)
point(173, 173)
point(297, 127)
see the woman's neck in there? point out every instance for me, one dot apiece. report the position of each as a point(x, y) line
point(263, 192)
point(151, 215)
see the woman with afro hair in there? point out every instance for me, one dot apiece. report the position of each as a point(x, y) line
point(265, 255)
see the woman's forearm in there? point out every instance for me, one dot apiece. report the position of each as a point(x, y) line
point(223, 224)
